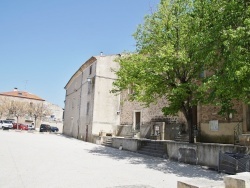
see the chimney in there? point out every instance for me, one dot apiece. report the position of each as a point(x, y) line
point(15, 89)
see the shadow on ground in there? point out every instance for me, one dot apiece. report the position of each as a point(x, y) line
point(159, 164)
point(163, 165)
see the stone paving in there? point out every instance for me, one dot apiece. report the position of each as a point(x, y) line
point(43, 160)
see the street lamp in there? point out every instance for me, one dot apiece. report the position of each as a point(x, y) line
point(89, 80)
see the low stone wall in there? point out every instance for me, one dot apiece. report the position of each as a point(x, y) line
point(205, 154)
point(130, 144)
point(241, 180)
point(244, 139)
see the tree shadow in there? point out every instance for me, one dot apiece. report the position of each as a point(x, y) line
point(163, 165)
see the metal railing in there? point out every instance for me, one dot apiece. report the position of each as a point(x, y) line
point(233, 163)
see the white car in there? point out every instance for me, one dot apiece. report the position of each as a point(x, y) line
point(31, 127)
point(6, 124)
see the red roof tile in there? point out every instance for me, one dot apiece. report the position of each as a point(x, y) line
point(21, 94)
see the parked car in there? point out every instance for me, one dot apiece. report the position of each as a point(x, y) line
point(20, 126)
point(6, 124)
point(31, 127)
point(54, 129)
point(45, 128)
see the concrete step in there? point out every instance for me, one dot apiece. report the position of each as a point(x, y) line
point(107, 142)
point(154, 154)
point(152, 148)
point(182, 138)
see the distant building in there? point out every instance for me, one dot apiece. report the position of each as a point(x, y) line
point(55, 118)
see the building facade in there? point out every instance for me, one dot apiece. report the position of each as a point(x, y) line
point(53, 118)
point(90, 109)
point(220, 129)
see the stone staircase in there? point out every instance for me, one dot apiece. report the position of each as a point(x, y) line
point(152, 148)
point(107, 141)
point(182, 138)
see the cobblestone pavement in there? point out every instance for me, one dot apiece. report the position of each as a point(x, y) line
point(36, 160)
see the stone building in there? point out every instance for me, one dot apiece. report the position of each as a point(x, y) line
point(90, 109)
point(147, 122)
point(55, 118)
point(213, 127)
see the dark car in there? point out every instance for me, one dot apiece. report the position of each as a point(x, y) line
point(45, 128)
point(54, 129)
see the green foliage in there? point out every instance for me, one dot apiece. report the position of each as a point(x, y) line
point(227, 42)
point(165, 64)
point(181, 40)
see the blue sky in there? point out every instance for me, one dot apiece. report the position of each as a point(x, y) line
point(43, 42)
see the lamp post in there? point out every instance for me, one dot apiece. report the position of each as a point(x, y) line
point(89, 80)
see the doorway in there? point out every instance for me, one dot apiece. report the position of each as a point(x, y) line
point(137, 120)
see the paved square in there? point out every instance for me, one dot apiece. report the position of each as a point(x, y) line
point(34, 160)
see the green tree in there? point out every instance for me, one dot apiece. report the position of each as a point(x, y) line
point(165, 64)
point(225, 50)
point(181, 40)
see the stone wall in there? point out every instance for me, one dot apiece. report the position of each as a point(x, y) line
point(148, 113)
point(210, 112)
point(204, 154)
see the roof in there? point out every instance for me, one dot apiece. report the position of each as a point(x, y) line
point(90, 61)
point(84, 65)
point(21, 94)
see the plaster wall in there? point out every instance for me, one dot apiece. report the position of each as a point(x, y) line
point(106, 116)
point(224, 134)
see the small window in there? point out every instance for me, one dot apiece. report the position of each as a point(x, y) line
point(90, 70)
point(87, 111)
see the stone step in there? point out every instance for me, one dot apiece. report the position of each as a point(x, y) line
point(150, 153)
point(182, 138)
point(152, 149)
point(107, 142)
point(160, 148)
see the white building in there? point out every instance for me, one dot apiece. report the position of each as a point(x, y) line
point(90, 108)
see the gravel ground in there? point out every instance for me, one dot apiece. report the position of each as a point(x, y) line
point(34, 160)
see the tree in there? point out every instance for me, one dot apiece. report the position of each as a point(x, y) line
point(4, 106)
point(225, 49)
point(18, 109)
point(181, 40)
point(165, 64)
point(38, 111)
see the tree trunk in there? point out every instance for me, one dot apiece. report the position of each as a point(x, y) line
point(190, 121)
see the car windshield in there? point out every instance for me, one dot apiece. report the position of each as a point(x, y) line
point(6, 121)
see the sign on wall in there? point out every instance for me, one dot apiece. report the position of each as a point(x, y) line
point(214, 125)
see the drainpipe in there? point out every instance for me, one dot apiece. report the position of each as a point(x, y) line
point(80, 101)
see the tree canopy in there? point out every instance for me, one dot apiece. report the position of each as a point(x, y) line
point(177, 43)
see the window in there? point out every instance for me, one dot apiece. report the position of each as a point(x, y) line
point(87, 111)
point(89, 86)
point(90, 70)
